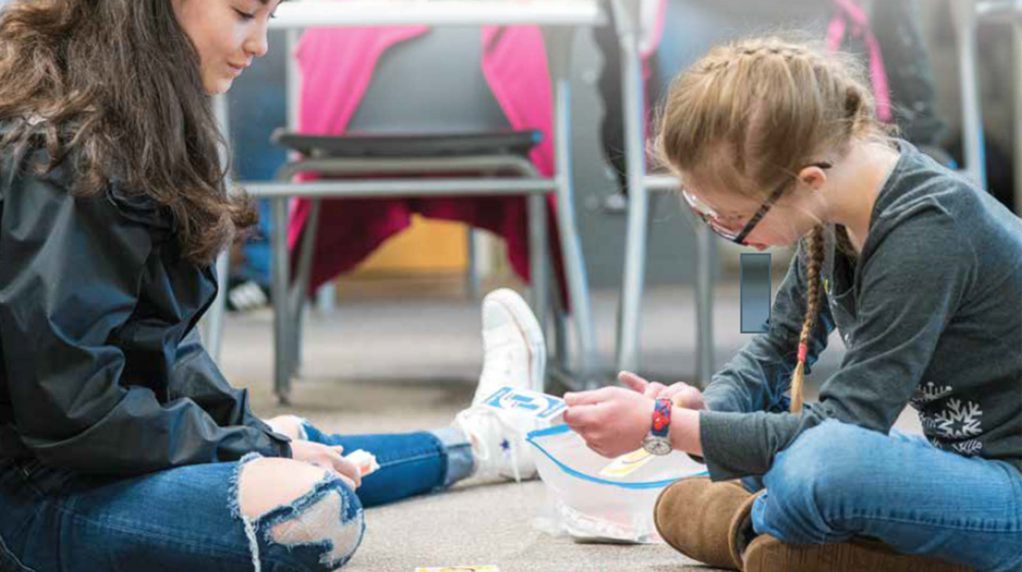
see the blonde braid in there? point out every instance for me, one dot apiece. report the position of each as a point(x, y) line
point(815, 252)
point(754, 50)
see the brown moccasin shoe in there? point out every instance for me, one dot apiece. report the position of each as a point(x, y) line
point(768, 554)
point(694, 516)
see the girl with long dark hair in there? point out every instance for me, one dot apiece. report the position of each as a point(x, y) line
point(122, 446)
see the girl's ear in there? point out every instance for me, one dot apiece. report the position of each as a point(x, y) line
point(813, 177)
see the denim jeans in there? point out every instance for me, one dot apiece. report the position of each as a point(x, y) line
point(187, 518)
point(839, 480)
point(410, 463)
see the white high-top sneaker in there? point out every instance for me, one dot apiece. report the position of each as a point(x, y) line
point(515, 356)
point(513, 345)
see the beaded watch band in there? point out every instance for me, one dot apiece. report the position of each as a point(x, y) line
point(661, 418)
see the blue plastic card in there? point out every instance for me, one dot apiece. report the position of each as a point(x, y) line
point(539, 405)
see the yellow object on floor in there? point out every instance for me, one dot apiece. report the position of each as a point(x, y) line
point(461, 569)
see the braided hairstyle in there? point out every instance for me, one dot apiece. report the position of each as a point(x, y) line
point(750, 114)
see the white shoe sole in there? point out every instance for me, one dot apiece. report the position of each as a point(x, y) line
point(526, 322)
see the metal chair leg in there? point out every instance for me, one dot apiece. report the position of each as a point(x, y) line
point(562, 347)
point(212, 326)
point(964, 14)
point(539, 257)
point(626, 18)
point(473, 286)
point(298, 293)
point(559, 368)
point(706, 265)
point(280, 268)
point(559, 45)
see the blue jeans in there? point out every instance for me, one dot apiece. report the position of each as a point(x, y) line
point(410, 463)
point(187, 518)
point(839, 480)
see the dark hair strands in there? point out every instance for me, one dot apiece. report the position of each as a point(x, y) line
point(114, 89)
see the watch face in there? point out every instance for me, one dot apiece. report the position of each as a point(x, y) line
point(657, 445)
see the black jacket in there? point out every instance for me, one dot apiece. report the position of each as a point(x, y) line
point(101, 369)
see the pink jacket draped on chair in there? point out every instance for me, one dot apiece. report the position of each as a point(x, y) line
point(337, 66)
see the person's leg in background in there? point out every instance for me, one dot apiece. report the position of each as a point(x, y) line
point(838, 481)
point(481, 442)
point(248, 281)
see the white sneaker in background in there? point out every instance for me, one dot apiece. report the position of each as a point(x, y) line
point(247, 296)
point(514, 352)
point(515, 356)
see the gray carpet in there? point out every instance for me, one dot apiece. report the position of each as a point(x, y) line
point(476, 525)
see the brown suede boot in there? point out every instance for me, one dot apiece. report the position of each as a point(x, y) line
point(695, 516)
point(767, 554)
point(764, 553)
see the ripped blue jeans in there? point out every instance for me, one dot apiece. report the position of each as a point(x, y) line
point(187, 518)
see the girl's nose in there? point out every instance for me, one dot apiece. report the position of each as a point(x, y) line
point(257, 44)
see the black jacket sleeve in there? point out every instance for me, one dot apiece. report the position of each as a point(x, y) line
point(70, 268)
point(196, 376)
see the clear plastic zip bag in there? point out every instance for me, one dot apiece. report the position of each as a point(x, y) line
point(595, 499)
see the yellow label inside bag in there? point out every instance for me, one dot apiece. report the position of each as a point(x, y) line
point(626, 464)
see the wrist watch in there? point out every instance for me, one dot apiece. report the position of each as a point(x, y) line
point(658, 442)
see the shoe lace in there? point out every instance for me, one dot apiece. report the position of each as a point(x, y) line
point(486, 455)
point(504, 365)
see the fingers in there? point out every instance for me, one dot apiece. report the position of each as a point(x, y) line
point(689, 398)
point(601, 445)
point(330, 458)
point(682, 395)
point(654, 390)
point(580, 417)
point(632, 381)
point(588, 397)
point(650, 389)
point(583, 420)
point(672, 391)
point(347, 469)
point(694, 399)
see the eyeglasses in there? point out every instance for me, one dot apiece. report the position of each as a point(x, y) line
point(717, 222)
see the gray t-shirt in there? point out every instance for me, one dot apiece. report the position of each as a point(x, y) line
point(931, 314)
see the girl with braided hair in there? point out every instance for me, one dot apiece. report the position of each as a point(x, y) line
point(920, 272)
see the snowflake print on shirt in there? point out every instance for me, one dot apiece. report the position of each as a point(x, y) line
point(959, 420)
point(924, 395)
point(968, 448)
point(929, 393)
point(953, 427)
